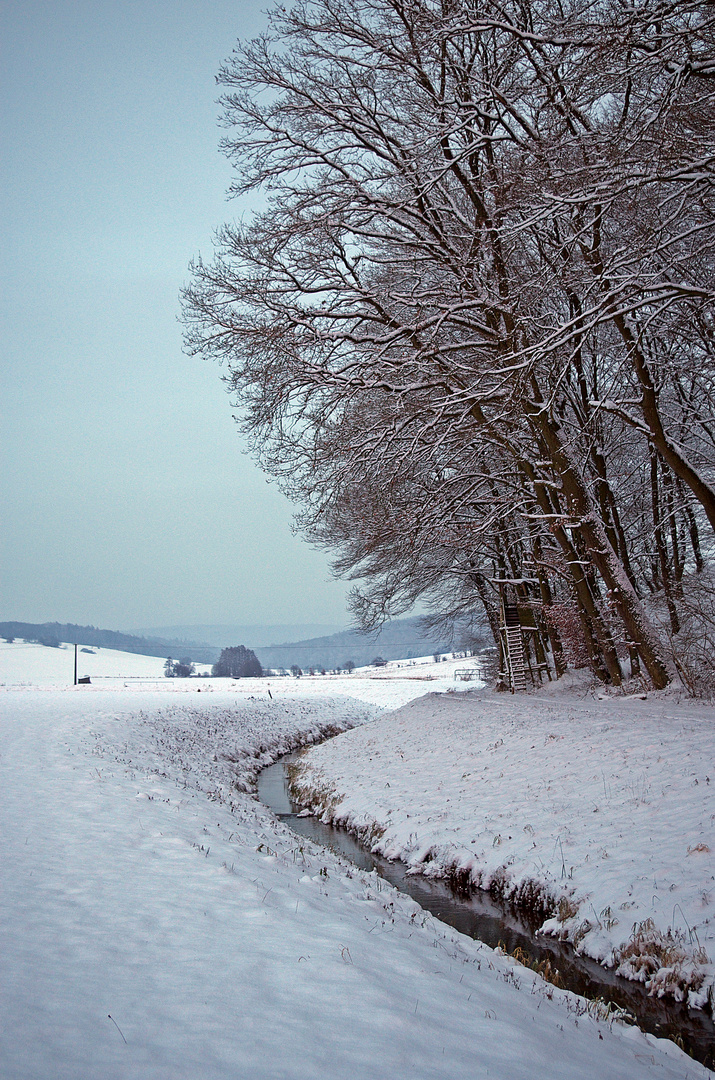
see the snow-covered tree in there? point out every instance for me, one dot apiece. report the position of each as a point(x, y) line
point(473, 330)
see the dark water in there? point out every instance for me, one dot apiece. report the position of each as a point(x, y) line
point(481, 917)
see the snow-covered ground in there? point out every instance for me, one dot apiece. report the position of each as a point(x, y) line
point(157, 923)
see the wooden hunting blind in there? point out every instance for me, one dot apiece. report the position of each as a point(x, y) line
point(520, 637)
point(513, 656)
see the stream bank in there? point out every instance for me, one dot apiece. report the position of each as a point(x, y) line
point(481, 917)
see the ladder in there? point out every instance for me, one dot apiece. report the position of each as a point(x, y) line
point(514, 651)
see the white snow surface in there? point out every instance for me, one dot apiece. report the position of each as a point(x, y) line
point(157, 923)
point(607, 805)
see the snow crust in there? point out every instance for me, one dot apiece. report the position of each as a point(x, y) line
point(606, 805)
point(157, 923)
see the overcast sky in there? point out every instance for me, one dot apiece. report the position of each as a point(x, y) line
point(127, 498)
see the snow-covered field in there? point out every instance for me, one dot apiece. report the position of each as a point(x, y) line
point(24, 662)
point(157, 923)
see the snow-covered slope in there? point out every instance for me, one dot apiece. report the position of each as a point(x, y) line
point(158, 924)
point(29, 664)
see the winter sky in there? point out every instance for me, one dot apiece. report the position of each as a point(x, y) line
point(128, 498)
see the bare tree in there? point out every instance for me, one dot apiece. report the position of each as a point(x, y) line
point(480, 298)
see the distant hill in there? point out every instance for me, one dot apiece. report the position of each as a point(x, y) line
point(53, 632)
point(224, 635)
point(397, 640)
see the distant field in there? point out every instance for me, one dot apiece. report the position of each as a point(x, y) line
point(23, 664)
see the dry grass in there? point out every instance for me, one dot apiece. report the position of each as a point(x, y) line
point(662, 961)
point(566, 909)
point(544, 968)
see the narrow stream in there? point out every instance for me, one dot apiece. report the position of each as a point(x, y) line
point(481, 917)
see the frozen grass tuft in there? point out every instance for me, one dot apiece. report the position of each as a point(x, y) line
point(664, 962)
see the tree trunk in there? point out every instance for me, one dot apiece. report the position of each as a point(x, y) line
point(598, 638)
point(583, 513)
point(660, 542)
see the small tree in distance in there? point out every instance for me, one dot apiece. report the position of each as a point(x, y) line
point(349, 666)
point(179, 669)
point(237, 662)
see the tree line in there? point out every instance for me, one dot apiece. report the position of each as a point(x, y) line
point(53, 633)
point(235, 662)
point(472, 331)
